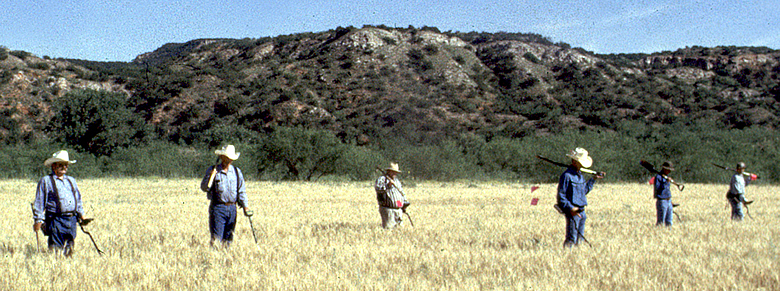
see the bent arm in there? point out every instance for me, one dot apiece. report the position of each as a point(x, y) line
point(204, 184)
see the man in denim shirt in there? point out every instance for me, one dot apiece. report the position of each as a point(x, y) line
point(58, 204)
point(572, 191)
point(663, 195)
point(228, 189)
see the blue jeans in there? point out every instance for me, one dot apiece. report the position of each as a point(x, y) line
point(736, 207)
point(575, 227)
point(62, 232)
point(664, 211)
point(222, 222)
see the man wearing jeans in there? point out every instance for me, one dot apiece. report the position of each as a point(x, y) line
point(226, 190)
point(663, 195)
point(57, 209)
point(572, 191)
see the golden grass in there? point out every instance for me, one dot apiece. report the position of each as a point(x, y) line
point(328, 236)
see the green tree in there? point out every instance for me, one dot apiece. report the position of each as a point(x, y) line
point(97, 122)
point(301, 154)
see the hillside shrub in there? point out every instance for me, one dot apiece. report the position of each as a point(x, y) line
point(97, 122)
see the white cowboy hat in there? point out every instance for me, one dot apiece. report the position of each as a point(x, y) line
point(228, 151)
point(393, 167)
point(581, 155)
point(60, 156)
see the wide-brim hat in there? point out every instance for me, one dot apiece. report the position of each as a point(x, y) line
point(581, 156)
point(228, 151)
point(667, 165)
point(741, 165)
point(393, 167)
point(58, 157)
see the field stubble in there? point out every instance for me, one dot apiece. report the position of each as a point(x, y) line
point(328, 235)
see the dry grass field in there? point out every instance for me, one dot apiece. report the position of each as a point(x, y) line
point(327, 236)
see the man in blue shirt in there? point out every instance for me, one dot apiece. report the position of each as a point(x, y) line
point(572, 191)
point(663, 195)
point(226, 189)
point(57, 209)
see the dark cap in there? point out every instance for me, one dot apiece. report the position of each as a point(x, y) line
point(741, 165)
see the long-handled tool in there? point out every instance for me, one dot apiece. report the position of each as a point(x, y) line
point(584, 170)
point(84, 222)
point(647, 165)
point(675, 212)
point(403, 209)
point(249, 216)
point(37, 238)
point(578, 230)
point(751, 175)
point(213, 174)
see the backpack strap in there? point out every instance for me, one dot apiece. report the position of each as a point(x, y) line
point(238, 183)
point(213, 189)
point(56, 194)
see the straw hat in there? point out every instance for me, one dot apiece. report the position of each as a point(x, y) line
point(58, 157)
point(667, 165)
point(228, 151)
point(581, 155)
point(393, 167)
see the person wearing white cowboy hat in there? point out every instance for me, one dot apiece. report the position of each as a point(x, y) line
point(390, 197)
point(57, 208)
point(572, 192)
point(225, 187)
point(662, 192)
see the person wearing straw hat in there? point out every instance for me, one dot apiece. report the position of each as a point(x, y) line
point(663, 195)
point(226, 189)
point(736, 194)
point(57, 209)
point(390, 197)
point(572, 191)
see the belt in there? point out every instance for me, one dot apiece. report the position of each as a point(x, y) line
point(663, 198)
point(65, 214)
point(224, 203)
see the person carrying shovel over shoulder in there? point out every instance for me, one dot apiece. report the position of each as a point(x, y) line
point(736, 194)
point(572, 191)
point(390, 197)
point(57, 209)
point(225, 187)
point(663, 195)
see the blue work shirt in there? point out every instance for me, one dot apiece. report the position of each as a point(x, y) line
point(227, 188)
point(572, 189)
point(662, 187)
point(69, 197)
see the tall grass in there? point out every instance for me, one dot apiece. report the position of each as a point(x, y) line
point(328, 236)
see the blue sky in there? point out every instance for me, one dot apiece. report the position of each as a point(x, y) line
point(119, 30)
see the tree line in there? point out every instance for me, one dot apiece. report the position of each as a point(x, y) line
point(109, 140)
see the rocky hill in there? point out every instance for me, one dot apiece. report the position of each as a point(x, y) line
point(422, 85)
